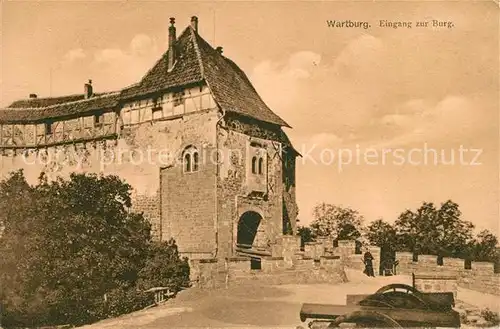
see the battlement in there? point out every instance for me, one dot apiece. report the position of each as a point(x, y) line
point(480, 276)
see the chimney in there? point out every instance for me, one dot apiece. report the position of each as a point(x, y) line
point(219, 50)
point(33, 96)
point(171, 44)
point(194, 23)
point(88, 90)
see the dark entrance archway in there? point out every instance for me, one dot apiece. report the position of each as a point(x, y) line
point(247, 229)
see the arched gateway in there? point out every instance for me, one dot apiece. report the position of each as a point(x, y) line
point(248, 225)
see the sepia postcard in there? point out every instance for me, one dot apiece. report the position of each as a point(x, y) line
point(249, 164)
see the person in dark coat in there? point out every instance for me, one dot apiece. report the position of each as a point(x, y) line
point(368, 260)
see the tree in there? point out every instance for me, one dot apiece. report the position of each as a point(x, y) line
point(381, 234)
point(336, 222)
point(164, 268)
point(453, 233)
point(305, 234)
point(434, 231)
point(484, 247)
point(67, 244)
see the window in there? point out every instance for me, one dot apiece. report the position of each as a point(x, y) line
point(48, 128)
point(254, 165)
point(187, 162)
point(190, 159)
point(156, 106)
point(178, 98)
point(257, 154)
point(157, 112)
point(195, 161)
point(257, 165)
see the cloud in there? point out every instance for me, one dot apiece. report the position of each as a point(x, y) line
point(359, 60)
point(372, 94)
point(142, 45)
point(279, 82)
point(73, 55)
point(116, 68)
point(110, 56)
point(453, 119)
point(345, 91)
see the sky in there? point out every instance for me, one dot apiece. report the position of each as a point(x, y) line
point(378, 114)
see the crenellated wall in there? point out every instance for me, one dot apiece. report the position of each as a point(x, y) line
point(212, 273)
point(480, 277)
point(347, 251)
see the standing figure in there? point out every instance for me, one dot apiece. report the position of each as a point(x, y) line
point(368, 260)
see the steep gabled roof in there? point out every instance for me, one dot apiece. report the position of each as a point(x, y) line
point(186, 70)
point(230, 86)
point(196, 61)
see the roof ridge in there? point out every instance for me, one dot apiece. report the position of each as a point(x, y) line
point(50, 97)
point(165, 54)
point(194, 39)
point(41, 108)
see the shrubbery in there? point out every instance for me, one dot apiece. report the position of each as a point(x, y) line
point(72, 253)
point(491, 317)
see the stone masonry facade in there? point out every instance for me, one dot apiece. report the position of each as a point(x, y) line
point(208, 161)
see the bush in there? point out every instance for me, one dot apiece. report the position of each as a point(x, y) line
point(122, 300)
point(67, 244)
point(164, 268)
point(493, 318)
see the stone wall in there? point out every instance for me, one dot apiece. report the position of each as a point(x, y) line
point(217, 273)
point(314, 249)
point(435, 282)
point(479, 277)
point(272, 264)
point(347, 251)
point(290, 248)
point(149, 206)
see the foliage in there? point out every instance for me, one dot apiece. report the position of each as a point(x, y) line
point(438, 231)
point(429, 230)
point(484, 247)
point(493, 318)
point(383, 235)
point(336, 222)
point(305, 234)
point(164, 268)
point(68, 243)
point(380, 233)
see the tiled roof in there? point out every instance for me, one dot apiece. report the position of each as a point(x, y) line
point(196, 61)
point(186, 70)
point(20, 115)
point(44, 102)
point(231, 87)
